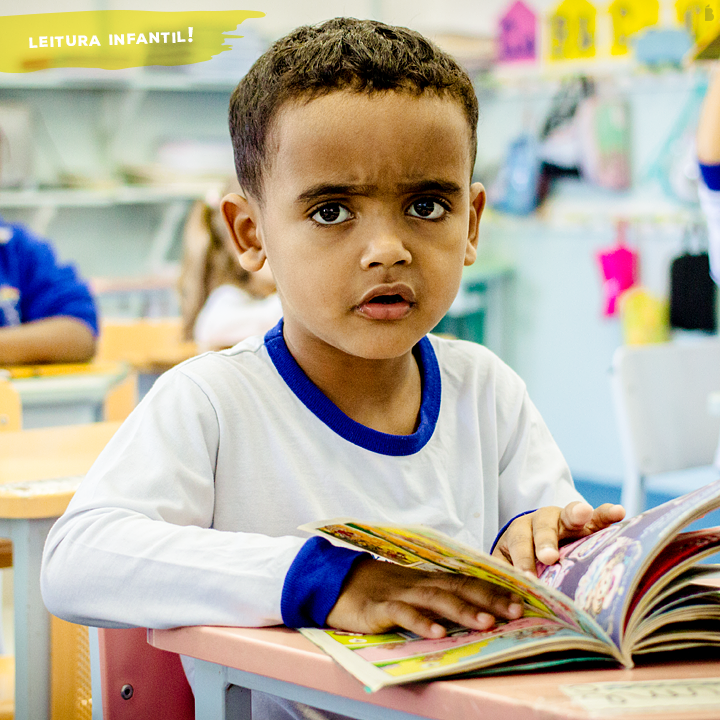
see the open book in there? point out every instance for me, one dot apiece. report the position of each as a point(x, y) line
point(633, 588)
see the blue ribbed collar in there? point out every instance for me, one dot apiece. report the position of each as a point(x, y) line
point(318, 403)
point(711, 176)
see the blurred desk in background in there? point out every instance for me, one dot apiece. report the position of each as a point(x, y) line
point(64, 394)
point(39, 473)
point(149, 345)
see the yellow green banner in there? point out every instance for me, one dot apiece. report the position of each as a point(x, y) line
point(115, 39)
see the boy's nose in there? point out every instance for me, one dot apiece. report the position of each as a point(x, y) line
point(385, 249)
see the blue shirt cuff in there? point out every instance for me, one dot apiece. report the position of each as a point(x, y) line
point(711, 176)
point(506, 526)
point(314, 582)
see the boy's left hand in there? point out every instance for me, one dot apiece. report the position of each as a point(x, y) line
point(536, 536)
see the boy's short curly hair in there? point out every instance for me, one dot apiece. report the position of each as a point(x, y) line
point(339, 54)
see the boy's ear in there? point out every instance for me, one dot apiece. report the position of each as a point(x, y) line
point(241, 219)
point(477, 205)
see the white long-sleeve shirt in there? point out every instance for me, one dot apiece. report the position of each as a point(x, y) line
point(189, 515)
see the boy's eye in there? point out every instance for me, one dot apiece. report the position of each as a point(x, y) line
point(427, 209)
point(331, 214)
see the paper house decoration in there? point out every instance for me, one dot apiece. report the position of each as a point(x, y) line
point(629, 17)
point(700, 18)
point(517, 36)
point(572, 30)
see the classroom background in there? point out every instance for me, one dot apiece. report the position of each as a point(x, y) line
point(107, 164)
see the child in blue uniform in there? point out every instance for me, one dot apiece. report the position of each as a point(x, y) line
point(47, 313)
point(708, 148)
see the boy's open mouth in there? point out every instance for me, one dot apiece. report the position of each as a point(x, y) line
point(387, 303)
point(387, 299)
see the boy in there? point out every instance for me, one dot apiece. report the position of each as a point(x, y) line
point(354, 144)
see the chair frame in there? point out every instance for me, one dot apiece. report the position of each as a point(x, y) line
point(138, 681)
point(660, 393)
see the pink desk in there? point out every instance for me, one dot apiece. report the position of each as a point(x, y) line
point(235, 661)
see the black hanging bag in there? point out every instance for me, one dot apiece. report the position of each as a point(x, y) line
point(692, 292)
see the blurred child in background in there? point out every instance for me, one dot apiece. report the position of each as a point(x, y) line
point(221, 303)
point(47, 314)
point(708, 147)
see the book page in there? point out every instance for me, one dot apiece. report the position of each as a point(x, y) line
point(684, 550)
point(697, 582)
point(400, 657)
point(426, 549)
point(602, 571)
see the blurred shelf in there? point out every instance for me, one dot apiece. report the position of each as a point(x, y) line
point(170, 82)
point(576, 204)
point(103, 197)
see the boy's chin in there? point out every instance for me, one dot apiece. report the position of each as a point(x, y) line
point(368, 340)
point(382, 344)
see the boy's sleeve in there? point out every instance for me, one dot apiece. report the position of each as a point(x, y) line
point(314, 582)
point(709, 192)
point(137, 547)
point(47, 288)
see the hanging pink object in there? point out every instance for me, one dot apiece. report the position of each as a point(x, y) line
point(619, 266)
point(517, 34)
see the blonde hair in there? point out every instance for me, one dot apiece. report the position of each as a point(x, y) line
point(208, 261)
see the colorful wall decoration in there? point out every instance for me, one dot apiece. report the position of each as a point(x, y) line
point(628, 18)
point(572, 30)
point(699, 18)
point(517, 37)
point(604, 30)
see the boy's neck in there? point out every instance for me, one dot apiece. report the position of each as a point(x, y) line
point(384, 395)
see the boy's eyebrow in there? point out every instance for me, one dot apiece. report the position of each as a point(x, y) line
point(328, 189)
point(446, 187)
point(316, 192)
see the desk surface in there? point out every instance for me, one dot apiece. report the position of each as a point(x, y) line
point(59, 384)
point(286, 655)
point(43, 454)
point(56, 370)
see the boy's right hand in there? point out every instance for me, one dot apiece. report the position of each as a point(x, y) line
point(379, 596)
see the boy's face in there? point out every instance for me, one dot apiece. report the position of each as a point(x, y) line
point(367, 219)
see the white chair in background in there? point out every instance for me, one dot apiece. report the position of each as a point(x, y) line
point(660, 393)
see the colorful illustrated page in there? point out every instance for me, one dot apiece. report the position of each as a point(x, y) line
point(600, 572)
point(402, 657)
point(424, 548)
